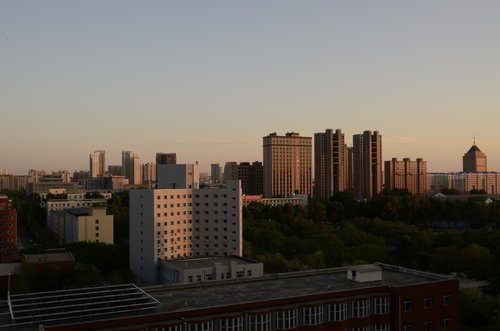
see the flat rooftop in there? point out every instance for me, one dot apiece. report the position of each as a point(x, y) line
point(209, 262)
point(49, 257)
point(179, 297)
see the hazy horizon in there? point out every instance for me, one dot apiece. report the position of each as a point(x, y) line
point(207, 80)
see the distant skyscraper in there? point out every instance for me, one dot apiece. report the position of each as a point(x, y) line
point(132, 167)
point(166, 158)
point(330, 164)
point(148, 173)
point(474, 160)
point(407, 175)
point(287, 164)
point(367, 164)
point(216, 173)
point(97, 163)
point(115, 170)
point(250, 175)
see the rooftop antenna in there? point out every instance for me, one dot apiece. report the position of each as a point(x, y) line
point(474, 140)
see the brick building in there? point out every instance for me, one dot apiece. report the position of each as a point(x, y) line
point(375, 297)
point(8, 230)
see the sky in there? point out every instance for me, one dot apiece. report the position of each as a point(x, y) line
point(209, 79)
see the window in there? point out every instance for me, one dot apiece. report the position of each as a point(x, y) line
point(383, 327)
point(360, 308)
point(231, 324)
point(337, 311)
point(428, 325)
point(200, 326)
point(261, 322)
point(447, 299)
point(286, 319)
point(447, 323)
point(408, 327)
point(407, 305)
point(428, 302)
point(312, 315)
point(381, 305)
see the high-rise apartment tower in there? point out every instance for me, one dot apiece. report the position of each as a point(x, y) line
point(287, 164)
point(97, 163)
point(407, 175)
point(132, 167)
point(367, 164)
point(330, 164)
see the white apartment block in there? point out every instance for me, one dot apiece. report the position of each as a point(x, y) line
point(179, 220)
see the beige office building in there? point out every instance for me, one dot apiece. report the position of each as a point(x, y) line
point(82, 224)
point(474, 160)
point(330, 164)
point(407, 175)
point(367, 164)
point(287, 165)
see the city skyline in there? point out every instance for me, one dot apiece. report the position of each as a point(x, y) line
point(209, 80)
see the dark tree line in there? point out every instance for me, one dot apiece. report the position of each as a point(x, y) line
point(444, 236)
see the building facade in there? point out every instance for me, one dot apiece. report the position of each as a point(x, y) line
point(8, 230)
point(464, 182)
point(330, 164)
point(149, 173)
point(361, 298)
point(97, 163)
point(216, 173)
point(367, 164)
point(198, 270)
point(287, 165)
point(166, 158)
point(474, 160)
point(406, 175)
point(180, 220)
point(251, 176)
point(82, 224)
point(132, 167)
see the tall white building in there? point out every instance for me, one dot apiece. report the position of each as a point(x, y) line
point(97, 163)
point(179, 220)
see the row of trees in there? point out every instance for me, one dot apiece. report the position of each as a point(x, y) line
point(444, 236)
point(96, 263)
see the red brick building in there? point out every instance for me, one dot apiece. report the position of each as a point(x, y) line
point(376, 297)
point(8, 230)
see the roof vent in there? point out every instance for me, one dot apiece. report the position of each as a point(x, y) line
point(364, 273)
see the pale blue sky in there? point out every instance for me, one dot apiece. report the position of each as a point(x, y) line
point(209, 79)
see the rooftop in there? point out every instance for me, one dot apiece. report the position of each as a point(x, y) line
point(178, 297)
point(209, 262)
point(49, 257)
point(473, 149)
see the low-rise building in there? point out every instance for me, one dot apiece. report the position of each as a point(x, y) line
point(207, 269)
point(294, 199)
point(377, 297)
point(82, 224)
